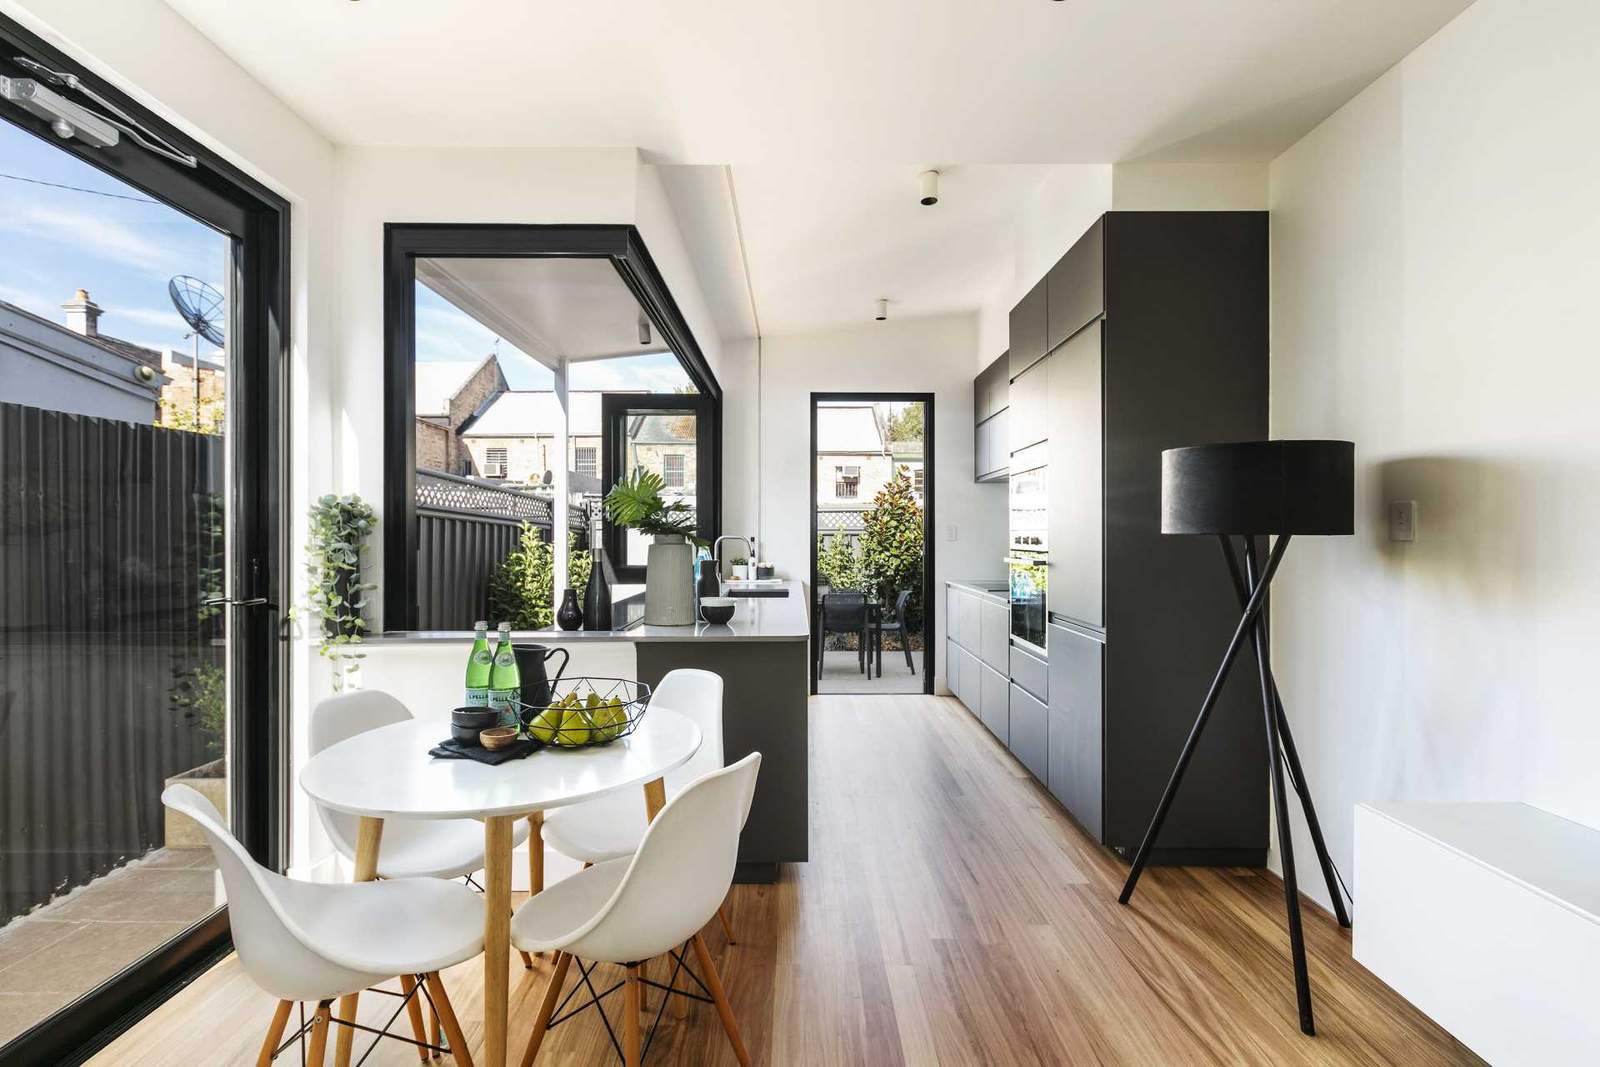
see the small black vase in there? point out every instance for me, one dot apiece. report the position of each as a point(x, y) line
point(570, 617)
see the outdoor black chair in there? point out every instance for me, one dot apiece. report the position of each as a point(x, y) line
point(843, 612)
point(897, 625)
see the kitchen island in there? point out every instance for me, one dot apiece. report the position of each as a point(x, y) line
point(761, 655)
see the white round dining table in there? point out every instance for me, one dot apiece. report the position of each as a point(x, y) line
point(387, 774)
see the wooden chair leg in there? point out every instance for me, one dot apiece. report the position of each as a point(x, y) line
point(630, 1017)
point(414, 1009)
point(433, 1029)
point(319, 1035)
point(714, 983)
point(727, 928)
point(547, 1007)
point(447, 1016)
point(280, 1019)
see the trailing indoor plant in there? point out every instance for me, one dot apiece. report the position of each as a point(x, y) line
point(637, 502)
point(335, 594)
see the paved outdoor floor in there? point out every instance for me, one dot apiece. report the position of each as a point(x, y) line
point(53, 955)
point(841, 673)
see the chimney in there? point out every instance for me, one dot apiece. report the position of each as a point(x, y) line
point(83, 314)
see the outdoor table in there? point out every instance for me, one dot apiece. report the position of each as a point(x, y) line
point(387, 773)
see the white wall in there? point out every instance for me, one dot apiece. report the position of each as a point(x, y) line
point(910, 355)
point(1189, 187)
point(1435, 265)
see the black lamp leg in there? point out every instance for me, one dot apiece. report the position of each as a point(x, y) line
point(1291, 891)
point(1241, 587)
point(1252, 610)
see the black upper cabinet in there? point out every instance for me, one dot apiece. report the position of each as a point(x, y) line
point(991, 440)
point(1076, 287)
point(1029, 330)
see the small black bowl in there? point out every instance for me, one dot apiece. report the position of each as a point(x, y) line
point(717, 609)
point(467, 723)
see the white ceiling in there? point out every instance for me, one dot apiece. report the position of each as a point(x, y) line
point(827, 110)
point(909, 81)
point(577, 309)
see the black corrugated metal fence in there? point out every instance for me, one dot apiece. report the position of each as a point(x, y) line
point(111, 538)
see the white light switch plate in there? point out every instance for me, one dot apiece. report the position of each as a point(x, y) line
point(1402, 520)
point(951, 532)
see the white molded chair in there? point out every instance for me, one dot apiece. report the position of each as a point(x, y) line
point(611, 826)
point(411, 848)
point(632, 909)
point(308, 941)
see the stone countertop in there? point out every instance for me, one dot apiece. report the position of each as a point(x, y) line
point(994, 589)
point(754, 619)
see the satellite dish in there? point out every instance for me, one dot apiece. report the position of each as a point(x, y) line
point(201, 306)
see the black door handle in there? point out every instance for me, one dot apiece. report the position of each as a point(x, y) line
point(249, 602)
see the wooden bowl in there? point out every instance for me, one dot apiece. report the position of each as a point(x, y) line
point(498, 737)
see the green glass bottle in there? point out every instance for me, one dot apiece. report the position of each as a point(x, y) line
point(479, 662)
point(505, 681)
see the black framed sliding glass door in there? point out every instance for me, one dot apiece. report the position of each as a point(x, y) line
point(142, 439)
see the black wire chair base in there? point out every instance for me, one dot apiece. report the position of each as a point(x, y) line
point(418, 988)
point(561, 1015)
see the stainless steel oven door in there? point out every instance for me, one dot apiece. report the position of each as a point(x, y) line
point(1028, 574)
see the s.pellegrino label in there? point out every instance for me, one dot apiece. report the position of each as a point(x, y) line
point(505, 681)
point(479, 663)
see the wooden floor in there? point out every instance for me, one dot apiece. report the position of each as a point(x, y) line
point(950, 914)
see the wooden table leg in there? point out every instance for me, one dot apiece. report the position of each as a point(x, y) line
point(535, 865)
point(655, 798)
point(368, 839)
point(496, 936)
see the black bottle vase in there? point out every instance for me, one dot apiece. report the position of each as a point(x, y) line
point(570, 616)
point(597, 597)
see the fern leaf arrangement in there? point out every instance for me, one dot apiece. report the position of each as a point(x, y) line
point(636, 501)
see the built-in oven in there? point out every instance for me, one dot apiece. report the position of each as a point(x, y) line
point(1028, 559)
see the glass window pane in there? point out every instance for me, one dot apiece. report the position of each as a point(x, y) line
point(113, 661)
point(662, 441)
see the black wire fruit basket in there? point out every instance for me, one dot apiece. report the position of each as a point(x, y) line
point(585, 712)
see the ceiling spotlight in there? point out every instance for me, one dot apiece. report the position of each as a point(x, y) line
point(883, 308)
point(644, 329)
point(930, 188)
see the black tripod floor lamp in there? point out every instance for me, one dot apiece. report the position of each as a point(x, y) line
point(1250, 490)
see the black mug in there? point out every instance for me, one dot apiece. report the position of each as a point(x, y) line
point(536, 682)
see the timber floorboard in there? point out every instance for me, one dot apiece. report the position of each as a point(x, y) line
point(951, 914)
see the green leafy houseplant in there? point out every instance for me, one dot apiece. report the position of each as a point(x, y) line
point(335, 595)
point(636, 502)
point(522, 588)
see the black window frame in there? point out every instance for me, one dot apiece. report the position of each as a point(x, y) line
point(406, 242)
point(614, 409)
point(220, 195)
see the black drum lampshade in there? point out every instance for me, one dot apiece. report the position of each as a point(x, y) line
point(1259, 487)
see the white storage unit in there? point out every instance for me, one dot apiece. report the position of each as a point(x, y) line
point(1487, 917)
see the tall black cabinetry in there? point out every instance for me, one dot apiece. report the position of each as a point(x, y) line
point(1156, 331)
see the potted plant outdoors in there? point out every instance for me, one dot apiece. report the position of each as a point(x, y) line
point(637, 502)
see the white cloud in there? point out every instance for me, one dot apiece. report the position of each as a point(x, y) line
point(98, 236)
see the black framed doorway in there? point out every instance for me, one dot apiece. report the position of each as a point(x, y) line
point(244, 589)
point(925, 402)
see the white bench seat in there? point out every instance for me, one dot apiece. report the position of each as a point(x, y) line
point(1486, 916)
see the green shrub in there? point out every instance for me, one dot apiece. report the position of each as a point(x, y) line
point(891, 545)
point(522, 589)
point(839, 563)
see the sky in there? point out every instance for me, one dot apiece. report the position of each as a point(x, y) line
point(54, 241)
point(108, 237)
